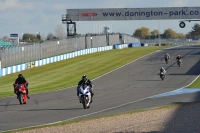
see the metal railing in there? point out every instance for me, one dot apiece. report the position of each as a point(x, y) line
point(177, 41)
point(18, 54)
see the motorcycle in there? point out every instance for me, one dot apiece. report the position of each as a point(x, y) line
point(162, 75)
point(166, 60)
point(21, 93)
point(179, 62)
point(85, 96)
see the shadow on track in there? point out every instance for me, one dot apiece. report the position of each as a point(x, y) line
point(195, 70)
point(186, 118)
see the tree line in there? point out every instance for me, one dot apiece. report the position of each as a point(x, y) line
point(142, 33)
point(28, 37)
point(145, 33)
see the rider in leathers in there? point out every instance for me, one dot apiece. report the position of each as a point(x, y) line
point(162, 70)
point(86, 81)
point(167, 56)
point(21, 80)
point(178, 57)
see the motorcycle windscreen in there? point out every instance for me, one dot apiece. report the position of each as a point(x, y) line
point(84, 89)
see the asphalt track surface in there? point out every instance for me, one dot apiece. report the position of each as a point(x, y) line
point(130, 87)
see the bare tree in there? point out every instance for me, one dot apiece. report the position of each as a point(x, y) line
point(59, 32)
point(43, 37)
point(50, 36)
point(5, 39)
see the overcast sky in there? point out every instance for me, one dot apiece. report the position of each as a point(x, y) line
point(32, 16)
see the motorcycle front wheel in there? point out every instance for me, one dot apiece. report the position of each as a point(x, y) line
point(20, 97)
point(84, 102)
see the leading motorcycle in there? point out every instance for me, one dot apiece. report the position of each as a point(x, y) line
point(21, 93)
point(85, 96)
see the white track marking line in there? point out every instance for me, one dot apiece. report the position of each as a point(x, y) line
point(163, 94)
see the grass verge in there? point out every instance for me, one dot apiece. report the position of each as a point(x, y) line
point(66, 73)
point(196, 84)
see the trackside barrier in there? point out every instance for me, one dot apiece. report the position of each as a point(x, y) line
point(144, 44)
point(134, 45)
point(25, 66)
point(120, 46)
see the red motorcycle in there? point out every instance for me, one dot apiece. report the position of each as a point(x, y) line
point(21, 93)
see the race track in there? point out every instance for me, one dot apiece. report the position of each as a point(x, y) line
point(127, 88)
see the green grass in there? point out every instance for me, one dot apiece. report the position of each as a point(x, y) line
point(196, 84)
point(68, 72)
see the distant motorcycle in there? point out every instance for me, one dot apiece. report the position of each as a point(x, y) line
point(166, 60)
point(85, 96)
point(162, 75)
point(179, 62)
point(21, 93)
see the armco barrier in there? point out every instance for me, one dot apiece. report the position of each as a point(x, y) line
point(120, 46)
point(144, 44)
point(25, 66)
point(134, 44)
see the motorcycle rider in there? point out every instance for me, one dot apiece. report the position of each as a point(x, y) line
point(86, 81)
point(21, 80)
point(162, 70)
point(167, 56)
point(178, 57)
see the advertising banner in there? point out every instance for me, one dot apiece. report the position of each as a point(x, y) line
point(134, 13)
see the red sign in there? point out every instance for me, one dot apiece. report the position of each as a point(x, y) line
point(88, 14)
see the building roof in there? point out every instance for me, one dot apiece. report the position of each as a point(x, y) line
point(2, 43)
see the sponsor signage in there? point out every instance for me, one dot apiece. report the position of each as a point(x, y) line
point(134, 13)
point(13, 35)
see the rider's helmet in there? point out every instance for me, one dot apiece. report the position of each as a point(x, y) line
point(84, 77)
point(167, 55)
point(20, 76)
point(179, 56)
point(162, 68)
